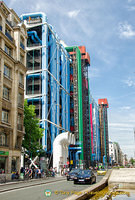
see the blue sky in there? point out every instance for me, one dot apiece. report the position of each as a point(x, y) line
point(107, 29)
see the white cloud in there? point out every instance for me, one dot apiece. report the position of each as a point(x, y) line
point(12, 3)
point(131, 8)
point(129, 1)
point(125, 108)
point(73, 14)
point(126, 30)
point(121, 125)
point(129, 82)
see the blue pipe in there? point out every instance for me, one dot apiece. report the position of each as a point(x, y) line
point(68, 96)
point(58, 90)
point(44, 73)
point(33, 35)
point(63, 78)
point(34, 99)
point(53, 85)
point(74, 148)
point(77, 155)
point(33, 75)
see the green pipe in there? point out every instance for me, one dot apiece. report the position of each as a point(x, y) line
point(78, 57)
point(89, 120)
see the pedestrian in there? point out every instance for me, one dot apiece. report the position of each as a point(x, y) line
point(39, 173)
point(36, 173)
point(1, 171)
point(53, 172)
point(17, 175)
point(30, 173)
point(62, 171)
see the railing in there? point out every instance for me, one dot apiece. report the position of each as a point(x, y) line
point(18, 147)
point(9, 23)
point(20, 105)
point(6, 97)
point(22, 46)
point(9, 36)
point(4, 145)
point(5, 120)
point(20, 127)
point(0, 28)
point(21, 85)
point(7, 76)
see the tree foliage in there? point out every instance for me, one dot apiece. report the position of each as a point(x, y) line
point(132, 161)
point(33, 133)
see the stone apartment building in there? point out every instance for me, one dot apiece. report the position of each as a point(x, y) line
point(13, 38)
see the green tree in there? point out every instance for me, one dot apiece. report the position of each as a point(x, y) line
point(33, 133)
point(132, 161)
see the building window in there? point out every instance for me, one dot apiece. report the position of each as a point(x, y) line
point(22, 43)
point(5, 116)
point(6, 92)
point(8, 50)
point(22, 59)
point(7, 71)
point(21, 81)
point(8, 34)
point(19, 122)
point(20, 100)
point(3, 139)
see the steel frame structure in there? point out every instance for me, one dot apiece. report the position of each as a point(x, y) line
point(49, 75)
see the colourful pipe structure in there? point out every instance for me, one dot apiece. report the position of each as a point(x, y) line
point(51, 67)
point(91, 123)
point(79, 77)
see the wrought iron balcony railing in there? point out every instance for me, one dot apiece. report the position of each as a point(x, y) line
point(22, 46)
point(9, 36)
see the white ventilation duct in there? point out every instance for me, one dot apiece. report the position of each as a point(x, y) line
point(60, 149)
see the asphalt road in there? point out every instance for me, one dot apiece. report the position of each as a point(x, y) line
point(59, 190)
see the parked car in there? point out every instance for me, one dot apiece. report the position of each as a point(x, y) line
point(101, 172)
point(72, 174)
point(85, 176)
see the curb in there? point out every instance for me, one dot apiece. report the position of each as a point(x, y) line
point(26, 181)
point(26, 186)
point(89, 192)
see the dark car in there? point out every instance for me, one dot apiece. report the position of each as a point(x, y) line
point(72, 174)
point(85, 176)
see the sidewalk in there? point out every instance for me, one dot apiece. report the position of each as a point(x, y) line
point(28, 183)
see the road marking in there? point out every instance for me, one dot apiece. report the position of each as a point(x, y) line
point(28, 187)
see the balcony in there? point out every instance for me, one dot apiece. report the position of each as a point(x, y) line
point(20, 127)
point(5, 121)
point(9, 36)
point(7, 76)
point(21, 85)
point(6, 97)
point(20, 105)
point(9, 23)
point(18, 147)
point(22, 46)
point(4, 145)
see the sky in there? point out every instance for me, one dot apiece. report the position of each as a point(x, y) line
point(107, 29)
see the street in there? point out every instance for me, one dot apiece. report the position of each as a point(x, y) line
point(59, 190)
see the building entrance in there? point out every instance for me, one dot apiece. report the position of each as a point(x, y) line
point(2, 164)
